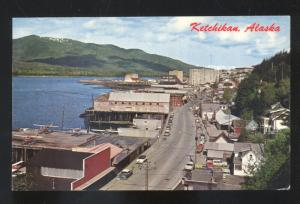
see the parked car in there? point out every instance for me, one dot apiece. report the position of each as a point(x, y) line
point(198, 166)
point(226, 172)
point(141, 159)
point(167, 134)
point(189, 166)
point(209, 164)
point(125, 174)
point(219, 163)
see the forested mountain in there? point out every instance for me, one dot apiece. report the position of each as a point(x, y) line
point(267, 84)
point(34, 55)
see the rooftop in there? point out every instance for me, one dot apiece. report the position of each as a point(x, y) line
point(213, 131)
point(143, 97)
point(219, 146)
point(258, 149)
point(54, 140)
point(128, 144)
point(225, 119)
point(61, 159)
point(114, 150)
point(215, 154)
point(210, 107)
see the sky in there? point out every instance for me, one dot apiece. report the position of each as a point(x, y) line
point(170, 36)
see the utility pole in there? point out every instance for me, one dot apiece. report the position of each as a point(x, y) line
point(196, 140)
point(229, 121)
point(62, 118)
point(147, 176)
point(146, 167)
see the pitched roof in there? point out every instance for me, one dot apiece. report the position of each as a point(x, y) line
point(212, 130)
point(62, 159)
point(219, 146)
point(142, 97)
point(224, 135)
point(251, 125)
point(257, 149)
point(225, 119)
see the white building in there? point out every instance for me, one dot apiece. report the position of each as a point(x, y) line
point(274, 120)
point(177, 73)
point(131, 78)
point(203, 76)
point(247, 158)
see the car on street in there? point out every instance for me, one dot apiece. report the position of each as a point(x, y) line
point(125, 174)
point(219, 163)
point(167, 134)
point(141, 159)
point(198, 166)
point(209, 164)
point(189, 166)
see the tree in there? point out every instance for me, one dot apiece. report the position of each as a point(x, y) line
point(256, 137)
point(22, 182)
point(247, 114)
point(268, 94)
point(276, 157)
point(283, 92)
point(228, 95)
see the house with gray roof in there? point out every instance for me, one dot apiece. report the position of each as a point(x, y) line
point(251, 126)
point(247, 158)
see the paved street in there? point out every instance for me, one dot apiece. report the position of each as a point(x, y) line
point(167, 157)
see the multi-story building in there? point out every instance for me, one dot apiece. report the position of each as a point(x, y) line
point(203, 76)
point(118, 109)
point(177, 73)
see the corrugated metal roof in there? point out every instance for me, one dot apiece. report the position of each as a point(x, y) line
point(139, 97)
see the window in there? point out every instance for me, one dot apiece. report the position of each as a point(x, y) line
point(115, 102)
point(157, 103)
point(123, 102)
point(238, 166)
point(136, 103)
point(143, 103)
point(129, 103)
point(150, 104)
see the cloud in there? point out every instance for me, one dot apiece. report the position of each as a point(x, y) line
point(169, 36)
point(182, 24)
point(90, 24)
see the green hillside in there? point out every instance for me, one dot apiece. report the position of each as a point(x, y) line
point(267, 84)
point(34, 55)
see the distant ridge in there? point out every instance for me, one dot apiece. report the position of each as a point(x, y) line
point(35, 55)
